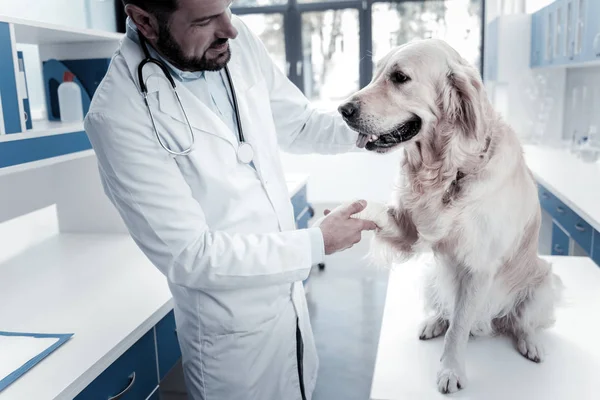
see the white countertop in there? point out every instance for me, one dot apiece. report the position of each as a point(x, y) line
point(574, 182)
point(406, 367)
point(101, 288)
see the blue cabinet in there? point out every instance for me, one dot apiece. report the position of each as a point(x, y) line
point(560, 241)
point(566, 32)
point(596, 247)
point(591, 34)
point(138, 372)
point(537, 34)
point(132, 376)
point(303, 212)
point(568, 226)
point(167, 344)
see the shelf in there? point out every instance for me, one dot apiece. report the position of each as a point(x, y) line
point(45, 162)
point(43, 128)
point(40, 33)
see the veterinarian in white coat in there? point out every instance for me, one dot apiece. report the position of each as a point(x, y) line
point(222, 231)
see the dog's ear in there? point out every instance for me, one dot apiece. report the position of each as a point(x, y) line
point(461, 100)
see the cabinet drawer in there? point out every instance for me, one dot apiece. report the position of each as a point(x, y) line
point(133, 374)
point(299, 201)
point(596, 249)
point(547, 200)
point(578, 229)
point(167, 344)
point(560, 241)
point(303, 218)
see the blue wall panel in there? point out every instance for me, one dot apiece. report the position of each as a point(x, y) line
point(27, 150)
point(8, 82)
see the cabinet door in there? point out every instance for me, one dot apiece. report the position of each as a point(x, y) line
point(549, 20)
point(591, 50)
point(596, 248)
point(579, 27)
point(558, 38)
point(560, 241)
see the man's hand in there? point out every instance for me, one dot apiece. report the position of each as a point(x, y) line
point(340, 231)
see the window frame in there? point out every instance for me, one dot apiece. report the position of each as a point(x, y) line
point(292, 32)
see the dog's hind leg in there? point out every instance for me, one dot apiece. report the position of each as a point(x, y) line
point(534, 313)
point(473, 287)
point(433, 327)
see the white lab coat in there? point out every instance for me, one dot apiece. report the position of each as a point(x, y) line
point(221, 232)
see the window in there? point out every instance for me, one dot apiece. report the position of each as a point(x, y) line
point(330, 42)
point(269, 28)
point(458, 22)
point(257, 3)
point(328, 47)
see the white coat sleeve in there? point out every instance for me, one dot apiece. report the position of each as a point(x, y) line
point(301, 128)
point(168, 224)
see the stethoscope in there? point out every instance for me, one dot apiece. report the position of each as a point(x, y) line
point(245, 152)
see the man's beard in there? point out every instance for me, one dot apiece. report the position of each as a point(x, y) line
point(169, 48)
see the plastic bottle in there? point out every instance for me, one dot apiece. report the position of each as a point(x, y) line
point(69, 99)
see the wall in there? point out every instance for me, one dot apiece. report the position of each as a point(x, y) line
point(339, 178)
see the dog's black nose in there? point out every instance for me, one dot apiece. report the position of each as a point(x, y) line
point(349, 110)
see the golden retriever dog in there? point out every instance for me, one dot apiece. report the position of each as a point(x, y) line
point(464, 193)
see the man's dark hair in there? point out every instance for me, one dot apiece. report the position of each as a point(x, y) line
point(161, 9)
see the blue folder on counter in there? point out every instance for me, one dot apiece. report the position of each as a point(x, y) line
point(33, 354)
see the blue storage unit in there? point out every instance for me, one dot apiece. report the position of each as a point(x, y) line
point(16, 152)
point(560, 241)
point(132, 376)
point(567, 225)
point(591, 39)
point(596, 247)
point(167, 344)
point(565, 33)
point(560, 36)
point(537, 33)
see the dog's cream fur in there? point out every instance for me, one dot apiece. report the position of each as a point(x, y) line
point(464, 193)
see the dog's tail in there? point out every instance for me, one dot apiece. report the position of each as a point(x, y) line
point(559, 288)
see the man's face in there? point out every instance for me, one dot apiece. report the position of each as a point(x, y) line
point(195, 38)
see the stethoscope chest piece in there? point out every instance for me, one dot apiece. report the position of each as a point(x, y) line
point(245, 153)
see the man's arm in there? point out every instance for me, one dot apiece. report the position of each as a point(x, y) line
point(146, 186)
point(156, 203)
point(301, 128)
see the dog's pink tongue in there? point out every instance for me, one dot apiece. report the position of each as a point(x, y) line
point(362, 140)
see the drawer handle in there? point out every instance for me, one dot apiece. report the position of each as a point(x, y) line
point(560, 210)
point(558, 249)
point(129, 386)
point(580, 227)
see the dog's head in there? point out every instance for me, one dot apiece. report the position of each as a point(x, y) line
point(416, 88)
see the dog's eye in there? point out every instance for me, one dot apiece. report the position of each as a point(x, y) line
point(399, 77)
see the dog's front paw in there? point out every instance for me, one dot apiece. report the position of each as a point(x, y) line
point(449, 380)
point(377, 213)
point(432, 328)
point(530, 348)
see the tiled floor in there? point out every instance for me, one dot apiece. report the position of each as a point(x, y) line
point(346, 306)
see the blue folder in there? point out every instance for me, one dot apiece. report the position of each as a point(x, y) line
point(62, 338)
